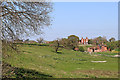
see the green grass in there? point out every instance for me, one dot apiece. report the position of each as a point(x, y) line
point(106, 53)
point(117, 49)
point(85, 46)
point(65, 64)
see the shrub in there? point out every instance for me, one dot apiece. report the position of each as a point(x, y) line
point(81, 49)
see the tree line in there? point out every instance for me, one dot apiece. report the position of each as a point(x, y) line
point(72, 42)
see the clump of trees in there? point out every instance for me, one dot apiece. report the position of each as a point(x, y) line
point(112, 44)
point(99, 40)
point(70, 43)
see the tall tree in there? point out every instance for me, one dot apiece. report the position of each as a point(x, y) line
point(90, 41)
point(71, 37)
point(24, 18)
point(99, 40)
point(73, 41)
point(112, 39)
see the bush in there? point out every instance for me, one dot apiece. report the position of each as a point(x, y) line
point(112, 45)
point(81, 49)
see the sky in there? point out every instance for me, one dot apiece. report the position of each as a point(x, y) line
point(83, 19)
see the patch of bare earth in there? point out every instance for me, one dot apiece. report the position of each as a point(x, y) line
point(26, 53)
point(97, 73)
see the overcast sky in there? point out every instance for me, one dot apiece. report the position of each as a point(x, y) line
point(83, 19)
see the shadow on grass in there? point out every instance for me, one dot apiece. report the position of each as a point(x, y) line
point(32, 44)
point(14, 72)
point(26, 51)
point(58, 52)
point(43, 44)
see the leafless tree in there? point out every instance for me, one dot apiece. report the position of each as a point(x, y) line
point(40, 40)
point(57, 44)
point(24, 18)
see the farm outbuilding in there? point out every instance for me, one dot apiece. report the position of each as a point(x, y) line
point(97, 49)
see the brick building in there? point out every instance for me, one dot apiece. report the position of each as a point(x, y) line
point(99, 48)
point(83, 41)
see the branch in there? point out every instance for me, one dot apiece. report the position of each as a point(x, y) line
point(12, 13)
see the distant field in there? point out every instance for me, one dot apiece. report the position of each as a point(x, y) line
point(66, 64)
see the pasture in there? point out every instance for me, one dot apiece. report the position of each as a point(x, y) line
point(42, 61)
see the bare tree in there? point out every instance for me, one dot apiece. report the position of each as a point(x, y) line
point(24, 18)
point(40, 40)
point(57, 45)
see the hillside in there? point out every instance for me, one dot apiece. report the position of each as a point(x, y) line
point(42, 60)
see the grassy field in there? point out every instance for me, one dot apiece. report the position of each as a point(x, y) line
point(44, 62)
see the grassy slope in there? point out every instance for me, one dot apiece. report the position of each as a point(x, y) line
point(66, 64)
